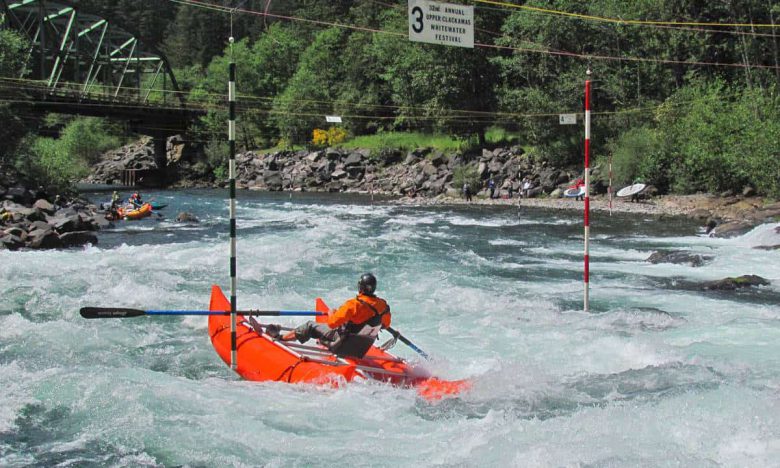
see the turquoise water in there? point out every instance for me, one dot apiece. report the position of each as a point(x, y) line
point(656, 374)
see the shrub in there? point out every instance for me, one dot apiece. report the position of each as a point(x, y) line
point(330, 137)
point(466, 174)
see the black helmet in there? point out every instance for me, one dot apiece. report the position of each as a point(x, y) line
point(367, 284)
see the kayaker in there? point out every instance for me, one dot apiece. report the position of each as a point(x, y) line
point(363, 315)
point(135, 200)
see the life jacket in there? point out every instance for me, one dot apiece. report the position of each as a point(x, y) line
point(354, 339)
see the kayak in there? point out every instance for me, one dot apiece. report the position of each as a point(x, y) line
point(260, 357)
point(155, 205)
point(138, 213)
point(631, 190)
point(574, 192)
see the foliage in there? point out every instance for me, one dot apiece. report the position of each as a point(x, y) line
point(638, 155)
point(330, 137)
point(311, 90)
point(466, 174)
point(403, 141)
point(716, 127)
point(12, 53)
point(86, 138)
point(46, 161)
point(217, 156)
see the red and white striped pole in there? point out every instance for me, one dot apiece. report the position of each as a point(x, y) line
point(587, 188)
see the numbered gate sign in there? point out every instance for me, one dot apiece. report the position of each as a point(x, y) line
point(567, 119)
point(441, 23)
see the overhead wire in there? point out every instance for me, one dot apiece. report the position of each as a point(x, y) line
point(466, 115)
point(604, 19)
point(543, 50)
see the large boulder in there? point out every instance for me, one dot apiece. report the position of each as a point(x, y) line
point(43, 239)
point(730, 284)
point(78, 238)
point(273, 180)
point(354, 159)
point(44, 206)
point(186, 217)
point(732, 229)
point(679, 257)
point(68, 223)
point(11, 242)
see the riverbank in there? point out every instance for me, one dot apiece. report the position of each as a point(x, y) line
point(725, 216)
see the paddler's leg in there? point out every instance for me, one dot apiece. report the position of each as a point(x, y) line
point(309, 330)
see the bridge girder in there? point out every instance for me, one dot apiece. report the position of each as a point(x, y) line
point(75, 52)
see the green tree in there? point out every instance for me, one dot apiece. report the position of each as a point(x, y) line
point(12, 55)
point(311, 92)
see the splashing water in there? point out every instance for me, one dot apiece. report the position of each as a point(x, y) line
point(655, 374)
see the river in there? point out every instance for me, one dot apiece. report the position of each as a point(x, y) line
point(657, 373)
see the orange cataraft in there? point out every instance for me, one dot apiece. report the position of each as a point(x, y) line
point(142, 212)
point(261, 358)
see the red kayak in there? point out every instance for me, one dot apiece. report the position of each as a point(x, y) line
point(260, 358)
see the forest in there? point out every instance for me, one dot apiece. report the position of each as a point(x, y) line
point(685, 94)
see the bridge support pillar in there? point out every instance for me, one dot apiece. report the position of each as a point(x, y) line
point(160, 154)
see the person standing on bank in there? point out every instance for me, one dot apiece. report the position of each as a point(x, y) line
point(365, 314)
point(492, 188)
point(467, 192)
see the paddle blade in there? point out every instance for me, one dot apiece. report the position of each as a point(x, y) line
point(319, 306)
point(109, 312)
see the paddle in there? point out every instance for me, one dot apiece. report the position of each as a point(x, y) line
point(408, 343)
point(119, 312)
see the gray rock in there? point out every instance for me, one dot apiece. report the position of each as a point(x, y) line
point(11, 242)
point(16, 232)
point(732, 229)
point(44, 206)
point(679, 257)
point(389, 157)
point(273, 180)
point(41, 226)
point(78, 238)
point(731, 284)
point(40, 239)
point(186, 217)
point(354, 159)
point(68, 223)
point(438, 159)
point(19, 195)
point(338, 174)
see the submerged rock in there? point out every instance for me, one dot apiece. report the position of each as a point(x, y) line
point(679, 257)
point(731, 284)
point(185, 217)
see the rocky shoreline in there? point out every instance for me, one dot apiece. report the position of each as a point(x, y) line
point(428, 176)
point(421, 176)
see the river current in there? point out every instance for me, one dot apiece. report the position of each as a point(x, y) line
point(657, 373)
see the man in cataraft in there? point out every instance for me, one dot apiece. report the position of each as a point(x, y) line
point(365, 315)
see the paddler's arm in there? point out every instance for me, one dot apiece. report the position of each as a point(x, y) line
point(341, 315)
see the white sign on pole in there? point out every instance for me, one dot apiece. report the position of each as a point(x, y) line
point(567, 119)
point(441, 23)
point(333, 118)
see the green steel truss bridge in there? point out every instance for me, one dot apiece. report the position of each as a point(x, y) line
point(80, 63)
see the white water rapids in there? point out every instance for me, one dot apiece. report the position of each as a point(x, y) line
point(658, 373)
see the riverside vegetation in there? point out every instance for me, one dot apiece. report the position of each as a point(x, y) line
point(699, 112)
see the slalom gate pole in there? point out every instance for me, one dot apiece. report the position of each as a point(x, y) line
point(587, 190)
point(232, 175)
